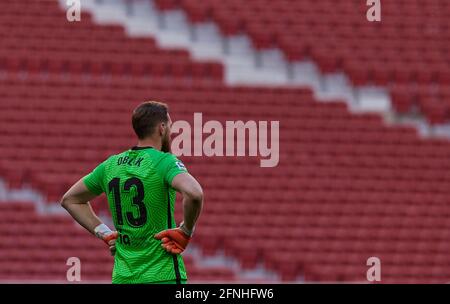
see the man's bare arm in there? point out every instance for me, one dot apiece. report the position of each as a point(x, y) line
point(76, 202)
point(192, 193)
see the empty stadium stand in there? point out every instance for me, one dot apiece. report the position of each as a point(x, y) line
point(58, 46)
point(408, 52)
point(347, 186)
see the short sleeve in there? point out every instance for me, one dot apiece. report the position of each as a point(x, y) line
point(173, 167)
point(94, 180)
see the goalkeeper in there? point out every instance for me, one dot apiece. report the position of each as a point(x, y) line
point(140, 185)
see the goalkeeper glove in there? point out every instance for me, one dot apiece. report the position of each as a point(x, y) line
point(108, 236)
point(175, 240)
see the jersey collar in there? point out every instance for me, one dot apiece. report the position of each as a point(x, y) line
point(141, 148)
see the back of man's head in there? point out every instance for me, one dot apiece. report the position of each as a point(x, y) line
point(147, 116)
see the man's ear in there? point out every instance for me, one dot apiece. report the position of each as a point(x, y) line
point(162, 128)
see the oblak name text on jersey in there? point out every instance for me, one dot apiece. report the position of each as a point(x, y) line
point(129, 161)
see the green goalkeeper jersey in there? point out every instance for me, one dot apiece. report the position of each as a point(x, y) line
point(137, 184)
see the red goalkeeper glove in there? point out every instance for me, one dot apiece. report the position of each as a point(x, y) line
point(174, 240)
point(108, 236)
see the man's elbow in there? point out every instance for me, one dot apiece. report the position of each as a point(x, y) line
point(196, 195)
point(64, 202)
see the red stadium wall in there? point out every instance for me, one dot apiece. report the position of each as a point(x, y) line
point(347, 186)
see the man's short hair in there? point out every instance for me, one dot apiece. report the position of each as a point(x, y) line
point(147, 115)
